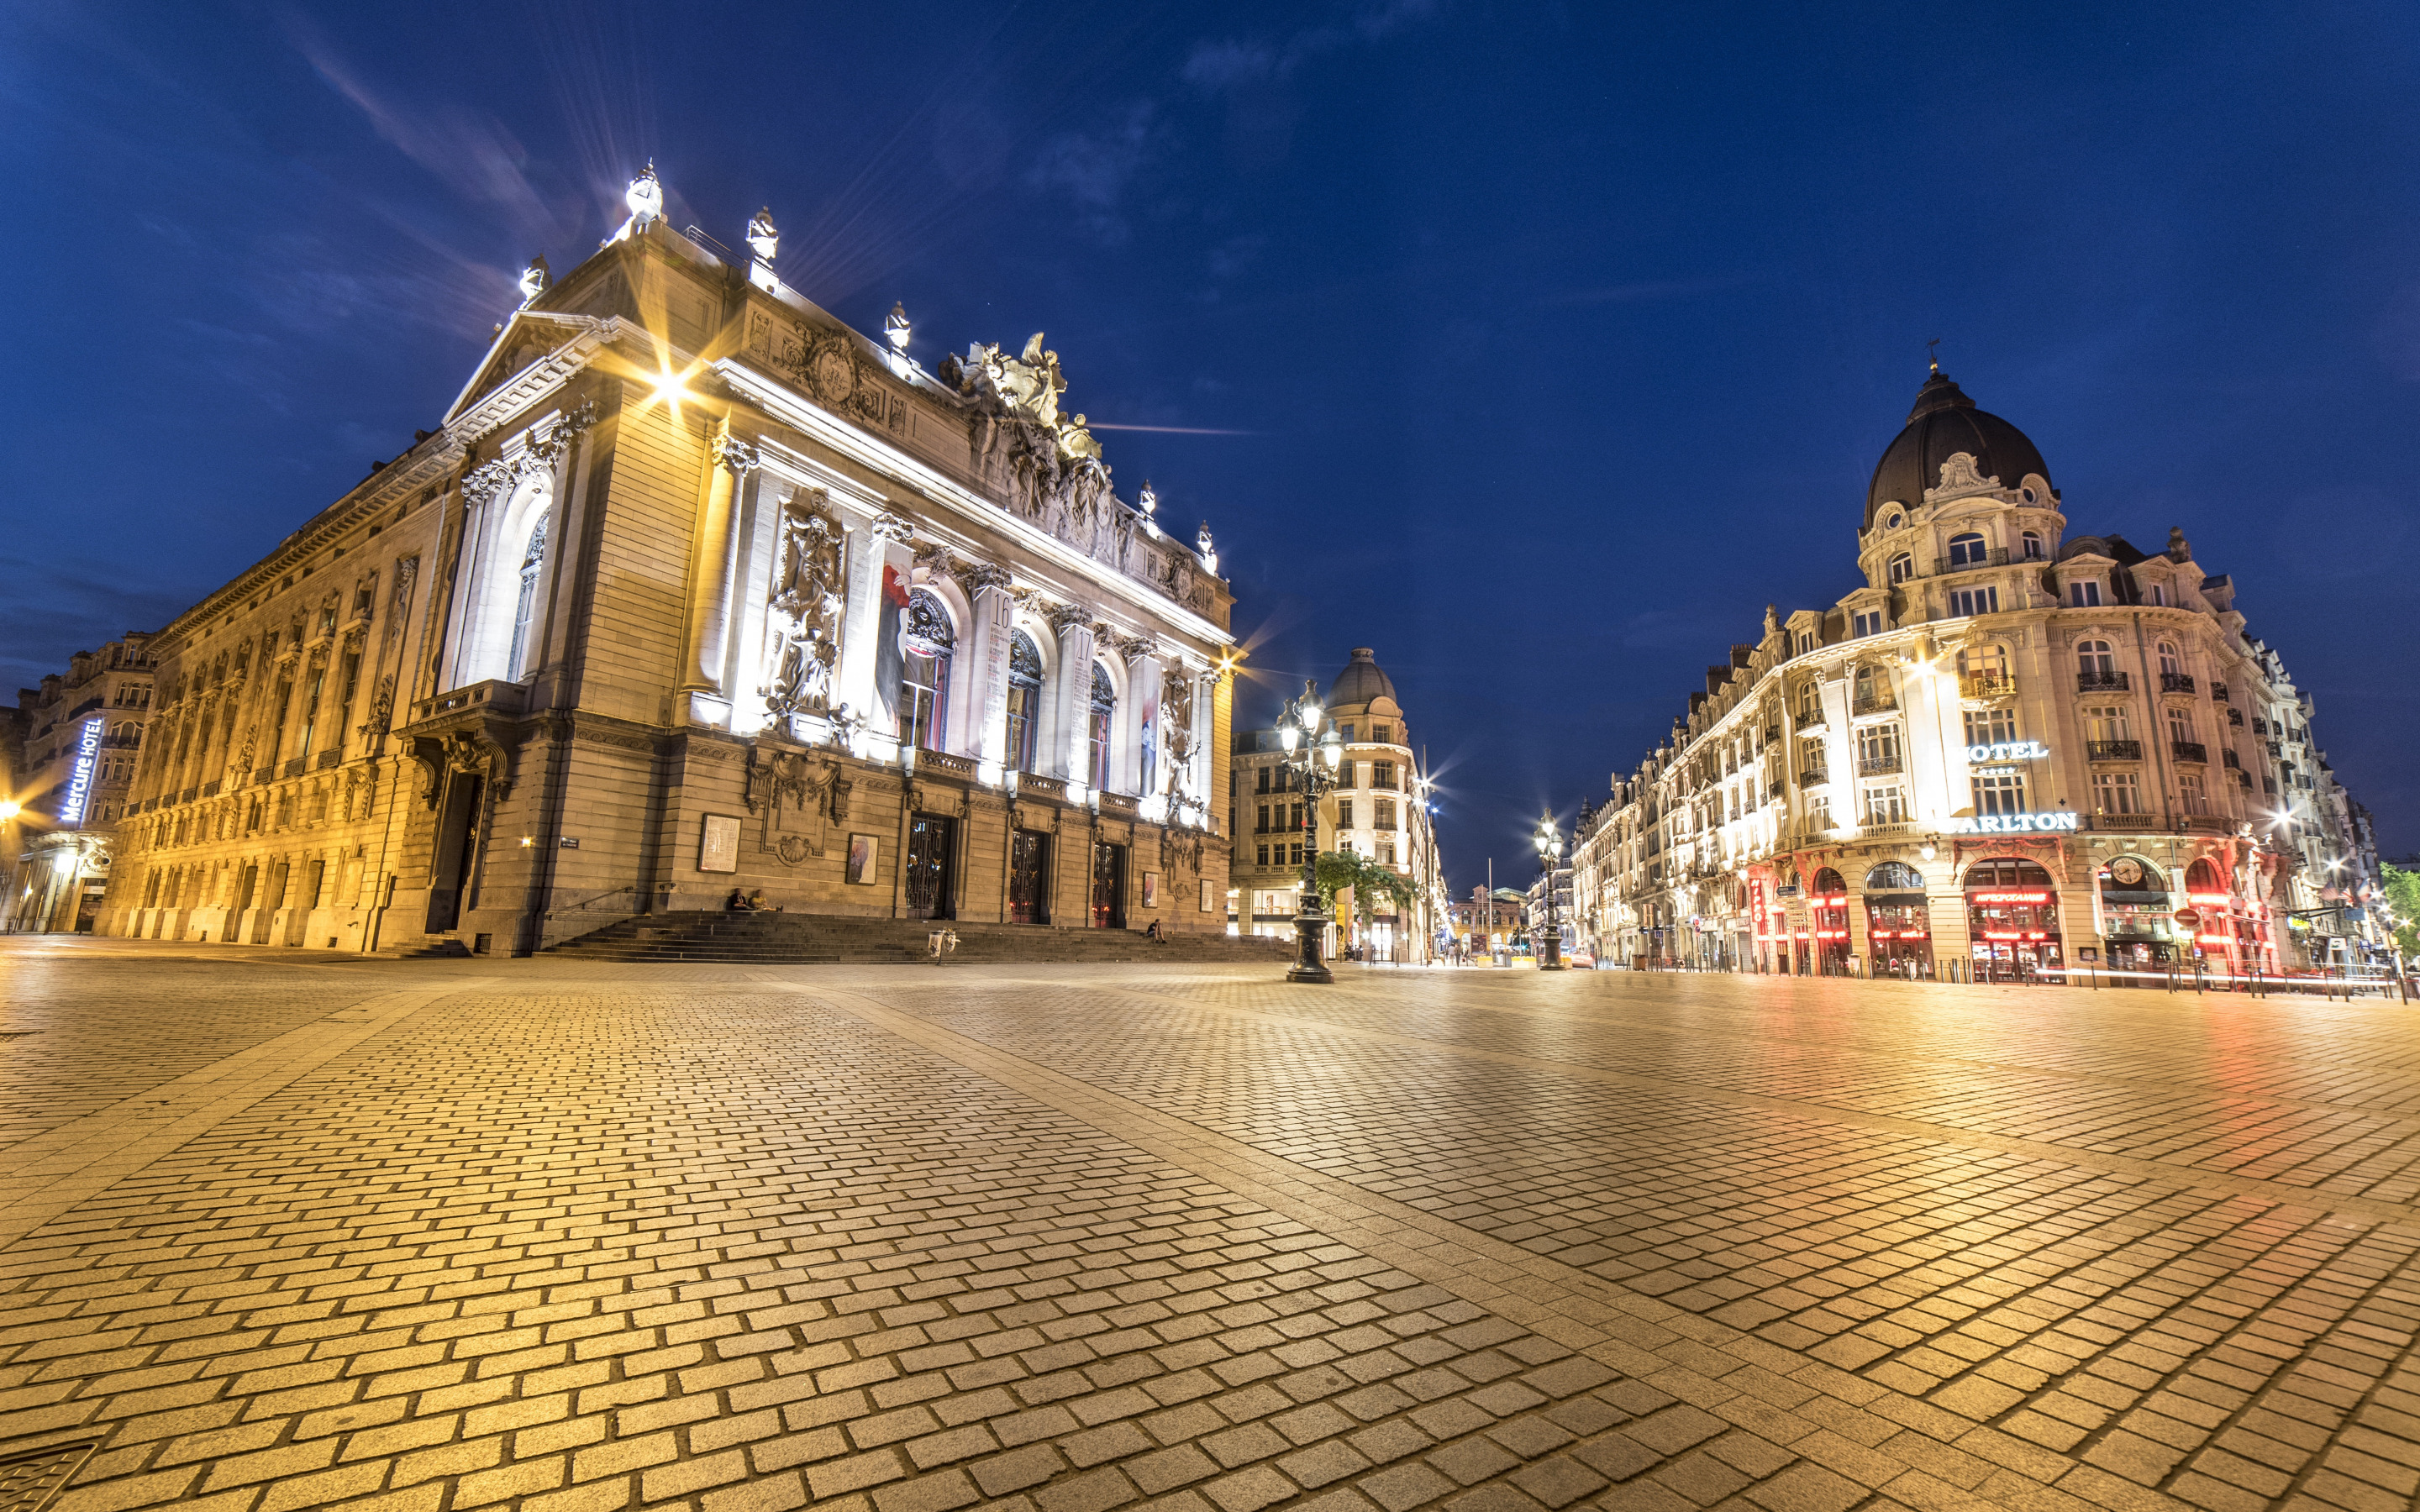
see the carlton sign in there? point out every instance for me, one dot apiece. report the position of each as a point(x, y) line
point(2011, 824)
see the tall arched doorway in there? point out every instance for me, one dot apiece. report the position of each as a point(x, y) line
point(2012, 918)
point(2137, 928)
point(1899, 927)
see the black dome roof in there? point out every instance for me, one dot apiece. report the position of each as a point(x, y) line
point(1361, 680)
point(1945, 422)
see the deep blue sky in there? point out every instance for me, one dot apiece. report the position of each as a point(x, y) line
point(1562, 340)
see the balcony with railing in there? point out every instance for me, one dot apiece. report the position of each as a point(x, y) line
point(1987, 686)
point(2087, 682)
point(1993, 557)
point(1881, 701)
point(1878, 766)
point(1813, 777)
point(1807, 718)
point(2218, 691)
point(2176, 682)
point(2190, 750)
point(2231, 761)
point(2112, 750)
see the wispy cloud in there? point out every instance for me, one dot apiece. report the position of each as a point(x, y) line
point(1093, 168)
point(469, 150)
point(1649, 290)
point(1232, 63)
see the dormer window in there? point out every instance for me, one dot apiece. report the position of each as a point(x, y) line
point(1894, 521)
point(2084, 594)
point(2029, 496)
point(1902, 567)
point(1865, 622)
point(1806, 641)
point(2156, 594)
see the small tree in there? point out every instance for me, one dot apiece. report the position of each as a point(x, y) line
point(2402, 890)
point(1339, 870)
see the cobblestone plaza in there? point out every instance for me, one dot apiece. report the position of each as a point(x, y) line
point(289, 1229)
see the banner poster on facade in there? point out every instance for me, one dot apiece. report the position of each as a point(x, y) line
point(889, 654)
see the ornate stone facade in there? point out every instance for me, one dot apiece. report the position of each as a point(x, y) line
point(2009, 752)
point(803, 619)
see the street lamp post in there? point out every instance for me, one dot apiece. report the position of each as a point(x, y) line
point(1313, 756)
point(1550, 855)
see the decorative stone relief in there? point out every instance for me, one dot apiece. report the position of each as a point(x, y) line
point(805, 620)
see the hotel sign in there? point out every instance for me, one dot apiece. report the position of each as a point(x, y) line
point(80, 776)
point(2013, 750)
point(2011, 824)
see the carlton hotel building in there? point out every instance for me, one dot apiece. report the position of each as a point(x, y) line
point(693, 592)
point(2009, 752)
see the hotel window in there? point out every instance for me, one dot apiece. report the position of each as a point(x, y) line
point(1885, 805)
point(1265, 855)
point(1991, 727)
point(2180, 726)
point(1263, 826)
point(2000, 792)
point(1968, 550)
point(2155, 595)
point(1902, 567)
point(1382, 774)
point(1345, 814)
point(2191, 788)
point(2107, 721)
point(1387, 852)
point(1383, 734)
point(1868, 622)
point(2117, 792)
point(1810, 757)
point(2169, 665)
point(1024, 699)
point(1806, 641)
point(2093, 661)
point(1297, 851)
point(1386, 817)
point(1264, 781)
point(2084, 593)
point(1819, 811)
point(1878, 747)
point(2031, 543)
point(1966, 601)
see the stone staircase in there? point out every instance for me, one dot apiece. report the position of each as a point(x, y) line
point(811, 939)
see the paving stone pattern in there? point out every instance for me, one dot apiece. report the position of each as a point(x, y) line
point(619, 1236)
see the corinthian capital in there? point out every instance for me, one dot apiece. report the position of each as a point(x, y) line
point(735, 454)
point(1066, 617)
point(889, 527)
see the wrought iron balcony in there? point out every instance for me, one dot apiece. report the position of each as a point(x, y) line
point(1813, 777)
point(2218, 691)
point(1776, 791)
point(1878, 766)
point(2112, 750)
point(1986, 685)
point(2190, 750)
point(1880, 701)
point(2176, 682)
point(1992, 557)
point(2103, 682)
point(2233, 762)
point(1807, 718)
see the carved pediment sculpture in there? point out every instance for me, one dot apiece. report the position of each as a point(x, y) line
point(1959, 475)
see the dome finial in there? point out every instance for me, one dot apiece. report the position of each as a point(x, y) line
point(1933, 352)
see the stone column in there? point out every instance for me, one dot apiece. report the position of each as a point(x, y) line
point(984, 659)
point(1142, 698)
point(871, 546)
point(704, 686)
point(1071, 693)
point(758, 539)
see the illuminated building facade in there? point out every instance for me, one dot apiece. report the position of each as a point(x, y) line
point(1378, 809)
point(2010, 751)
point(696, 592)
point(74, 742)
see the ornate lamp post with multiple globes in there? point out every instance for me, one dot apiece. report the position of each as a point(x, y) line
point(1550, 854)
point(1313, 756)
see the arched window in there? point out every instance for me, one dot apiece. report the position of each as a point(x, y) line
point(1987, 662)
point(1024, 699)
point(2203, 883)
point(926, 642)
point(1894, 876)
point(2093, 661)
point(2169, 665)
point(1902, 567)
point(2031, 544)
point(1096, 728)
point(530, 561)
point(1829, 884)
point(1967, 550)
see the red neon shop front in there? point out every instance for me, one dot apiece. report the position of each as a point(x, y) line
point(2012, 918)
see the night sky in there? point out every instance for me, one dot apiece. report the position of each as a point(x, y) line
point(1537, 347)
